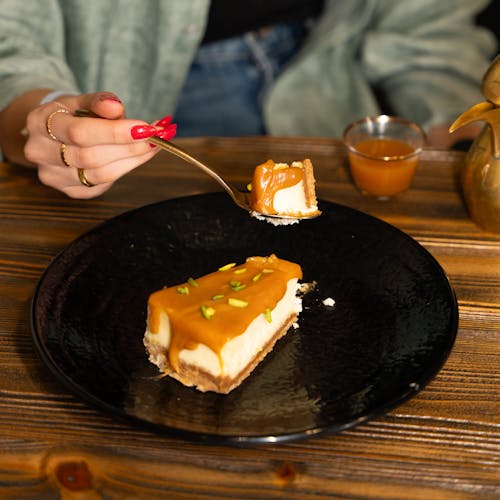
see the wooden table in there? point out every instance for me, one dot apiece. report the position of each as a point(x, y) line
point(442, 444)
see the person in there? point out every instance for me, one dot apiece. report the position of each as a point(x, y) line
point(287, 67)
point(488, 17)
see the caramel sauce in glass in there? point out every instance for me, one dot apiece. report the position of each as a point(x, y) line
point(257, 285)
point(384, 167)
point(268, 178)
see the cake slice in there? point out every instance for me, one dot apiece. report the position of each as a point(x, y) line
point(212, 332)
point(284, 190)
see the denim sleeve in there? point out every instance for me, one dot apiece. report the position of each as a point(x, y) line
point(140, 49)
point(425, 58)
point(32, 49)
point(428, 57)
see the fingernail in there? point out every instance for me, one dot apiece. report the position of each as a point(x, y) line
point(110, 98)
point(165, 121)
point(142, 131)
point(167, 133)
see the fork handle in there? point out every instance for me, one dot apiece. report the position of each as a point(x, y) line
point(176, 150)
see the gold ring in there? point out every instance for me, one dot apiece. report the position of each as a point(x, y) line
point(48, 123)
point(83, 178)
point(62, 151)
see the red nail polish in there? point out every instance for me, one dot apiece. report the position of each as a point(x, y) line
point(167, 133)
point(142, 131)
point(172, 128)
point(165, 121)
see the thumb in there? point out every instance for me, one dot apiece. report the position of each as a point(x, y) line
point(104, 104)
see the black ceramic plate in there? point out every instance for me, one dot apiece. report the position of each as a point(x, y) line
point(392, 326)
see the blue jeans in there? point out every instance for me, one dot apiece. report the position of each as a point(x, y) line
point(224, 90)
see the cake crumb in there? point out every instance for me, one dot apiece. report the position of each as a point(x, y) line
point(275, 221)
point(329, 302)
point(307, 287)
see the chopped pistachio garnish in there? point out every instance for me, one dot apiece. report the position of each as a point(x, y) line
point(183, 290)
point(267, 315)
point(192, 282)
point(268, 271)
point(237, 302)
point(236, 286)
point(217, 297)
point(227, 266)
point(207, 312)
point(257, 277)
point(240, 271)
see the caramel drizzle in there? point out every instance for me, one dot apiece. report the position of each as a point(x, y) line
point(255, 287)
point(268, 179)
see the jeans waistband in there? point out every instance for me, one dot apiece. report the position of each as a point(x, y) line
point(273, 39)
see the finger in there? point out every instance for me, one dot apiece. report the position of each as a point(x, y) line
point(66, 180)
point(40, 149)
point(104, 104)
point(111, 156)
point(59, 175)
point(101, 156)
point(113, 171)
point(39, 121)
point(86, 132)
point(91, 157)
point(84, 193)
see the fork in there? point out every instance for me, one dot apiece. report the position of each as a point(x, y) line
point(241, 198)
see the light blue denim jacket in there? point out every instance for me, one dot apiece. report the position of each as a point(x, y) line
point(426, 56)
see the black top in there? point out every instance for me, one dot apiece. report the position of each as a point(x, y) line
point(229, 18)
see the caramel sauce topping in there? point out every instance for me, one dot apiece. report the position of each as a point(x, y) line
point(217, 307)
point(268, 178)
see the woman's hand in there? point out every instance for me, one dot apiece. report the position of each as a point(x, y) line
point(83, 157)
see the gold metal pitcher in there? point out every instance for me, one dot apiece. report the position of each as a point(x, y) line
point(480, 176)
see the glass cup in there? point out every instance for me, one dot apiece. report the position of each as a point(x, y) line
point(383, 154)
